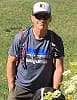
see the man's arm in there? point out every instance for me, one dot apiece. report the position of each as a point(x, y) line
point(11, 71)
point(58, 73)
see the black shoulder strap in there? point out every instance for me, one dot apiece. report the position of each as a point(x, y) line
point(53, 44)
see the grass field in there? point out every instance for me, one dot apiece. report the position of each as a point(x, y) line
point(15, 14)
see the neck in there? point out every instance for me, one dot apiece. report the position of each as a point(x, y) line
point(39, 34)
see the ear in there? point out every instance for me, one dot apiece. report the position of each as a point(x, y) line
point(32, 18)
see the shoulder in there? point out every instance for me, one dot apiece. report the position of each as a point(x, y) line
point(22, 33)
point(57, 43)
point(55, 37)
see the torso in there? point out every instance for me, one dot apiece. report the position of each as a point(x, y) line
point(38, 62)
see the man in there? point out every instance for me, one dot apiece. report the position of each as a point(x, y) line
point(43, 57)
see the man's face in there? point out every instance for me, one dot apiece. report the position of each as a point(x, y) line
point(40, 21)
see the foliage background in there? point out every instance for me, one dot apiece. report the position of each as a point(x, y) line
point(15, 14)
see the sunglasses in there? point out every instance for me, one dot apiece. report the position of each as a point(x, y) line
point(42, 16)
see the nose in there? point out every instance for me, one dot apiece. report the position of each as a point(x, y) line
point(42, 20)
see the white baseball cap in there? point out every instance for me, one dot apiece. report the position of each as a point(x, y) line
point(40, 7)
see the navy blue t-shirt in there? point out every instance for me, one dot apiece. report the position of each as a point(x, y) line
point(37, 69)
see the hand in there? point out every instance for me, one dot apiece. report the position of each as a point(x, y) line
point(11, 87)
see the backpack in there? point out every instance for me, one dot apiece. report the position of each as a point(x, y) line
point(22, 45)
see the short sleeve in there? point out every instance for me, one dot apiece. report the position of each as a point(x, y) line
point(14, 48)
point(59, 50)
point(58, 46)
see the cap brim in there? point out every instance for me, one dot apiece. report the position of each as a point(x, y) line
point(41, 12)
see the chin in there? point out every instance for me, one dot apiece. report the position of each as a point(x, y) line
point(41, 27)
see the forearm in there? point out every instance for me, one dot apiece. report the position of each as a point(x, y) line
point(10, 76)
point(58, 73)
point(11, 72)
point(57, 78)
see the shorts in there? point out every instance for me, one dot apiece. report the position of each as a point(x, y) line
point(20, 94)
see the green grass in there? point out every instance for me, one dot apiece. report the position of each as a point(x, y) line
point(15, 14)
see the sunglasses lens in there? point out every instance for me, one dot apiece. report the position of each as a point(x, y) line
point(42, 16)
